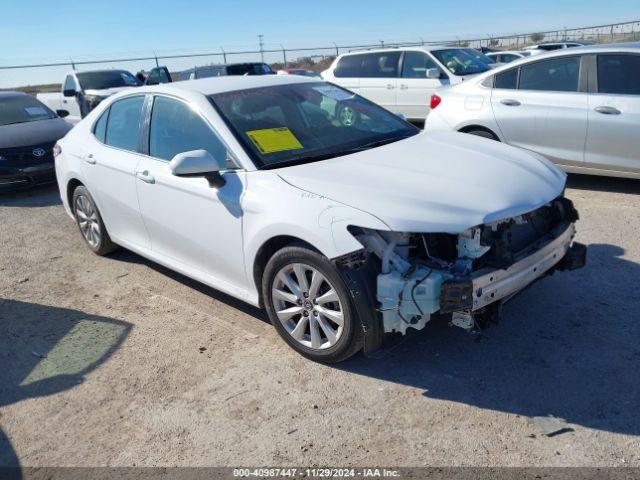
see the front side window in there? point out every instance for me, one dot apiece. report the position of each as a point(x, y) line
point(619, 74)
point(306, 122)
point(461, 61)
point(349, 67)
point(554, 75)
point(107, 79)
point(416, 64)
point(176, 128)
point(380, 65)
point(23, 109)
point(123, 127)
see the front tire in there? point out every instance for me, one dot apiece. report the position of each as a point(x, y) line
point(309, 305)
point(90, 222)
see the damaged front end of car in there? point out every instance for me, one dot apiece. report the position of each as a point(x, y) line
point(402, 280)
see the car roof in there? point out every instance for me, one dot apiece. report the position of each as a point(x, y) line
point(213, 85)
point(12, 94)
point(596, 48)
point(422, 48)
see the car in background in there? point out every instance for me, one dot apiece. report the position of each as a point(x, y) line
point(299, 71)
point(507, 56)
point(578, 107)
point(551, 46)
point(403, 79)
point(28, 132)
point(248, 68)
point(343, 233)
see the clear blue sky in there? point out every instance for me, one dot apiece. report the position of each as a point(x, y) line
point(40, 30)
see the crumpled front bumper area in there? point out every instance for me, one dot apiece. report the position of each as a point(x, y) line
point(19, 178)
point(486, 286)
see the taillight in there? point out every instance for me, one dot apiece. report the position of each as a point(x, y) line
point(435, 101)
point(57, 150)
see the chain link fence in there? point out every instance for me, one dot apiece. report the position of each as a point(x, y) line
point(46, 75)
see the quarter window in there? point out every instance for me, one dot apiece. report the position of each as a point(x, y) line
point(507, 80)
point(618, 74)
point(380, 65)
point(100, 129)
point(124, 123)
point(176, 128)
point(554, 75)
point(349, 67)
point(416, 64)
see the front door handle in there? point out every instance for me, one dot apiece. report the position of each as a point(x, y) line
point(145, 176)
point(509, 102)
point(89, 159)
point(390, 86)
point(607, 110)
point(404, 87)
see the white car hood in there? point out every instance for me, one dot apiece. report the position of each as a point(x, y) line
point(106, 92)
point(446, 182)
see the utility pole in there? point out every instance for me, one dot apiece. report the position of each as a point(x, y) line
point(261, 43)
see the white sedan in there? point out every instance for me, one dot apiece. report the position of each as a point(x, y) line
point(579, 107)
point(343, 233)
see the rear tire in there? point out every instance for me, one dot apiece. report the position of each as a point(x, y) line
point(310, 306)
point(90, 222)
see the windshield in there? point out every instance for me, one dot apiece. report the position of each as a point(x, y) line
point(249, 69)
point(107, 79)
point(305, 122)
point(461, 61)
point(22, 109)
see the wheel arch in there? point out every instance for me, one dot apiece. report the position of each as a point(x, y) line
point(471, 127)
point(72, 184)
point(266, 251)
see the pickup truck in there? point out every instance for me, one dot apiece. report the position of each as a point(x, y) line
point(82, 91)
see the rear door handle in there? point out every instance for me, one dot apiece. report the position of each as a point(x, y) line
point(510, 102)
point(145, 176)
point(89, 159)
point(608, 110)
point(404, 87)
point(390, 86)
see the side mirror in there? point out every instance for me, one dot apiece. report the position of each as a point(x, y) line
point(198, 163)
point(433, 73)
point(70, 92)
point(62, 113)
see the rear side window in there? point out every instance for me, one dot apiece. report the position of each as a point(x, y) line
point(554, 75)
point(416, 64)
point(349, 66)
point(100, 129)
point(176, 128)
point(123, 127)
point(380, 65)
point(507, 80)
point(619, 74)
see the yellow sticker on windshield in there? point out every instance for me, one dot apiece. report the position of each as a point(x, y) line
point(272, 140)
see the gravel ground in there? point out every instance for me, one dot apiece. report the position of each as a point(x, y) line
point(118, 362)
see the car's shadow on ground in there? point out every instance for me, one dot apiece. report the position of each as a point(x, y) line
point(604, 184)
point(46, 350)
point(44, 196)
point(567, 347)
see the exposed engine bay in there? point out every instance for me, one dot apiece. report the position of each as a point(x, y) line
point(470, 273)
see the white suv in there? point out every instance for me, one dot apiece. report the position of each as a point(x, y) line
point(402, 80)
point(343, 233)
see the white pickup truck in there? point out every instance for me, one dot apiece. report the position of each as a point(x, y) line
point(82, 91)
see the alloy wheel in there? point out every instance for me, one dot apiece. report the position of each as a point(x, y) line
point(88, 220)
point(308, 306)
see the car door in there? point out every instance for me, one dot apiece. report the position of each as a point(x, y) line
point(70, 102)
point(613, 139)
point(415, 89)
point(542, 106)
point(379, 79)
point(109, 165)
point(194, 227)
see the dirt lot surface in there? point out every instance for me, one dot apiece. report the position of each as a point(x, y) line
point(115, 361)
